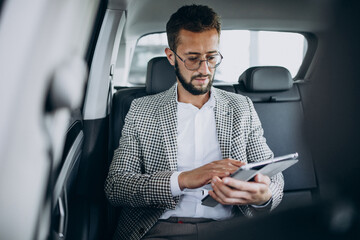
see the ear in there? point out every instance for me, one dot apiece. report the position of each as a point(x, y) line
point(170, 56)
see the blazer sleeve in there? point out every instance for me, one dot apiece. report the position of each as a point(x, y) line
point(126, 184)
point(258, 150)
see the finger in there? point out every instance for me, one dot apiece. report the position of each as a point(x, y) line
point(221, 169)
point(227, 192)
point(260, 178)
point(256, 191)
point(229, 161)
point(235, 162)
point(226, 201)
point(214, 196)
point(228, 164)
point(219, 196)
point(250, 187)
point(238, 163)
point(231, 166)
point(219, 172)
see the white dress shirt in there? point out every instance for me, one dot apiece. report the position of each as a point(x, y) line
point(197, 145)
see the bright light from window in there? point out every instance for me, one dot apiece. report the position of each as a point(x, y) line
point(241, 49)
point(283, 49)
point(234, 46)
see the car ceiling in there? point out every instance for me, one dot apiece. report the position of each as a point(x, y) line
point(148, 16)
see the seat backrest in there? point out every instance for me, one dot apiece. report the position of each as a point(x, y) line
point(278, 103)
point(160, 77)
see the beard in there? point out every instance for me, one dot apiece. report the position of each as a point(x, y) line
point(188, 86)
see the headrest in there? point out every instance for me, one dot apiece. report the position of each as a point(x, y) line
point(269, 78)
point(160, 75)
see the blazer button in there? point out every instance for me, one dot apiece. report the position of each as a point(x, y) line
point(142, 230)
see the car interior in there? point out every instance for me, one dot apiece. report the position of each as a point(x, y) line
point(86, 95)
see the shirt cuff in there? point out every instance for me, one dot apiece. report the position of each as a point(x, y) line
point(263, 205)
point(174, 184)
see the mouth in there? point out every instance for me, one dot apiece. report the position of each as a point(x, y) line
point(201, 79)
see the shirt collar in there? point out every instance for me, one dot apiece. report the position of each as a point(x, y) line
point(210, 103)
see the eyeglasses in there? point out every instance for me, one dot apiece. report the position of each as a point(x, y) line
point(194, 63)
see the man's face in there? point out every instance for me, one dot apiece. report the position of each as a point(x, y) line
point(196, 45)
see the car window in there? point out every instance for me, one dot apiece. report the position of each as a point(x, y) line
point(241, 49)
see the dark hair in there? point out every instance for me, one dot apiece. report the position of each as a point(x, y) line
point(194, 18)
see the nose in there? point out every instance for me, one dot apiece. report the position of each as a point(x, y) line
point(204, 68)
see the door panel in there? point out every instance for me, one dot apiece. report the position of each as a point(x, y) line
point(64, 188)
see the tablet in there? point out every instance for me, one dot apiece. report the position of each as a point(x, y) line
point(247, 172)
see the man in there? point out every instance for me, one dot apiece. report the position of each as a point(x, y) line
point(176, 144)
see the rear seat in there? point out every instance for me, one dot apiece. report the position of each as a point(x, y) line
point(278, 103)
point(279, 106)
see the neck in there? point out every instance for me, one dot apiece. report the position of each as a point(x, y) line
point(196, 100)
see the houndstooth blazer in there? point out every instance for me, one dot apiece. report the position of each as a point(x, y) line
point(139, 175)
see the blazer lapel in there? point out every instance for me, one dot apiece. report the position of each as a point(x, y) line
point(168, 124)
point(224, 124)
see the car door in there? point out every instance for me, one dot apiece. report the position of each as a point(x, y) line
point(43, 70)
point(79, 209)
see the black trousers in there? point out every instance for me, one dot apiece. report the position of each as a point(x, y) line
point(180, 228)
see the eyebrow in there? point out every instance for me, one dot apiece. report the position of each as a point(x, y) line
point(197, 53)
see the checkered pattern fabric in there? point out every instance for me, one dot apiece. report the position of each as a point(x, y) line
point(139, 175)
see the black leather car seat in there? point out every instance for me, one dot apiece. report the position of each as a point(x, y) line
point(278, 103)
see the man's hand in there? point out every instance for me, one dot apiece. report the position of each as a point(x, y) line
point(200, 176)
point(230, 191)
